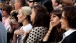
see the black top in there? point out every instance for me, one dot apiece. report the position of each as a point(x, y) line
point(55, 36)
point(9, 36)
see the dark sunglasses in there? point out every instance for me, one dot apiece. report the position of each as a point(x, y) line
point(31, 1)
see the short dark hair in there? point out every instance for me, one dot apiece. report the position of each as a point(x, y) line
point(7, 8)
point(42, 17)
point(70, 15)
point(23, 2)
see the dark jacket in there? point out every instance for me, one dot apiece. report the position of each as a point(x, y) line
point(71, 38)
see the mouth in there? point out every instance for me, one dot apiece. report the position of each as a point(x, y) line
point(52, 23)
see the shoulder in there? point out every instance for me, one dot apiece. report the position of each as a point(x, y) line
point(29, 26)
point(1, 25)
point(39, 29)
point(71, 38)
point(73, 34)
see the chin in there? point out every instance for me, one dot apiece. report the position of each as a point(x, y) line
point(19, 22)
point(62, 27)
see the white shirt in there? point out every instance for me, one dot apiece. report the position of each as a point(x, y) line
point(67, 33)
point(25, 28)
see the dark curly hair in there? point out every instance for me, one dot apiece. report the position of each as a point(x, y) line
point(42, 17)
point(70, 15)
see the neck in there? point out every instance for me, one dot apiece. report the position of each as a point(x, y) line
point(67, 28)
point(25, 23)
point(6, 16)
point(18, 9)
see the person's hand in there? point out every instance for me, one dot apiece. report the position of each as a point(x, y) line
point(51, 26)
point(59, 42)
point(19, 32)
point(48, 33)
point(11, 30)
point(74, 4)
point(25, 36)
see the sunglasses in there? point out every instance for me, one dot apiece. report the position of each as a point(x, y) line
point(31, 1)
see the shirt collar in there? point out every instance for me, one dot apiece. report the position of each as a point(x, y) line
point(67, 33)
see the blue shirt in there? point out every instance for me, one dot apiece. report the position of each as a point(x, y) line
point(3, 33)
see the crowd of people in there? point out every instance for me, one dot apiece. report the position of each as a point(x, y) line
point(37, 21)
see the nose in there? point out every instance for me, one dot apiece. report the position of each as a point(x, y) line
point(17, 15)
point(51, 19)
point(60, 20)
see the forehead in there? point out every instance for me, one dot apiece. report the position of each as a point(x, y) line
point(51, 14)
point(16, 0)
point(53, 0)
point(12, 21)
point(20, 12)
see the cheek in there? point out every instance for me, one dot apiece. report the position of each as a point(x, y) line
point(12, 26)
point(16, 5)
point(3, 13)
point(32, 17)
point(19, 16)
point(63, 24)
point(57, 21)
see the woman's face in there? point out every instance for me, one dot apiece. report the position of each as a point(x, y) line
point(63, 22)
point(20, 16)
point(55, 20)
point(33, 15)
point(13, 23)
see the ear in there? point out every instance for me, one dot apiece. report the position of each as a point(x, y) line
point(19, 4)
point(24, 15)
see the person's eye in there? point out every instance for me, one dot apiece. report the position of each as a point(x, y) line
point(54, 16)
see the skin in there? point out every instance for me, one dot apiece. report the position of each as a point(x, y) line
point(21, 17)
point(64, 24)
point(55, 20)
point(32, 15)
point(17, 5)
